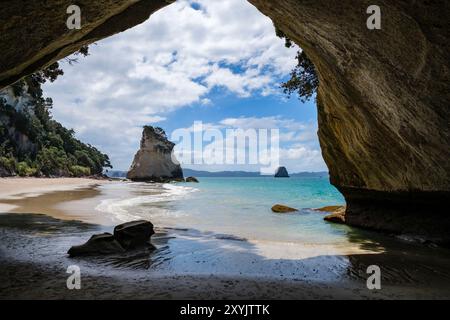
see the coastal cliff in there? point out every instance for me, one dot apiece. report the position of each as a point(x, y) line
point(382, 101)
point(32, 143)
point(154, 161)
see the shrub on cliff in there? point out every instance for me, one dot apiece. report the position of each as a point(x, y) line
point(24, 170)
point(303, 78)
point(79, 171)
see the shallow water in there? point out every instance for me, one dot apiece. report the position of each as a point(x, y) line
point(235, 206)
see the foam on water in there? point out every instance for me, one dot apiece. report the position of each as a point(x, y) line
point(232, 206)
point(129, 207)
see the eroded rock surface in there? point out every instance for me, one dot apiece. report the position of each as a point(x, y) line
point(33, 34)
point(383, 97)
point(154, 161)
point(383, 106)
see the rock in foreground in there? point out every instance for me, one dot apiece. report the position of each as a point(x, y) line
point(98, 244)
point(134, 234)
point(127, 236)
point(279, 208)
point(282, 173)
point(154, 161)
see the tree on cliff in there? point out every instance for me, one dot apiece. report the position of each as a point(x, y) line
point(303, 78)
point(32, 143)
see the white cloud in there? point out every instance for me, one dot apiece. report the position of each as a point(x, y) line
point(299, 148)
point(171, 61)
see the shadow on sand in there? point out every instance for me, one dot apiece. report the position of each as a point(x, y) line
point(34, 242)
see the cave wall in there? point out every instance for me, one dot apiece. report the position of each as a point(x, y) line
point(34, 34)
point(383, 97)
point(383, 106)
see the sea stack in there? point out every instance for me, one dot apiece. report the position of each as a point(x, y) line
point(154, 160)
point(281, 173)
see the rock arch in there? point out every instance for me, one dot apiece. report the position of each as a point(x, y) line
point(383, 101)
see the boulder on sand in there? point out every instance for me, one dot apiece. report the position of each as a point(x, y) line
point(134, 234)
point(127, 236)
point(98, 244)
point(191, 179)
point(279, 208)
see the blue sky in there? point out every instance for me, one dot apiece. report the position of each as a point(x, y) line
point(215, 61)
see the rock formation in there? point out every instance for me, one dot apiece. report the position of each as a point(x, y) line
point(336, 214)
point(382, 102)
point(192, 179)
point(98, 244)
point(154, 161)
point(280, 208)
point(336, 217)
point(134, 234)
point(281, 173)
point(127, 236)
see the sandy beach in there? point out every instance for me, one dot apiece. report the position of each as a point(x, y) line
point(43, 217)
point(43, 195)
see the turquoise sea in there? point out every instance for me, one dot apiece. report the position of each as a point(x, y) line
point(239, 207)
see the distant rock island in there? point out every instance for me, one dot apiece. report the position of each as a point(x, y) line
point(153, 161)
point(282, 173)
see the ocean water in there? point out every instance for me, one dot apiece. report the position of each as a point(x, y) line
point(233, 207)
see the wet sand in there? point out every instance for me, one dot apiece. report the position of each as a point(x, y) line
point(59, 197)
point(190, 264)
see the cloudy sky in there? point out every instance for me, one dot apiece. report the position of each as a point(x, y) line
point(205, 60)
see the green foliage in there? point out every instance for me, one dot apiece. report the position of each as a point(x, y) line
point(8, 163)
point(303, 78)
point(24, 170)
point(79, 171)
point(53, 162)
point(52, 150)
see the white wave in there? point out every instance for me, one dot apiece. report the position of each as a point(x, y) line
point(140, 207)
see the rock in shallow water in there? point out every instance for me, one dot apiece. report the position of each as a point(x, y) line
point(191, 179)
point(98, 244)
point(330, 208)
point(279, 208)
point(127, 236)
point(338, 216)
point(134, 234)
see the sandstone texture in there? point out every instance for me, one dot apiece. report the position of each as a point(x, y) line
point(383, 101)
point(154, 161)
